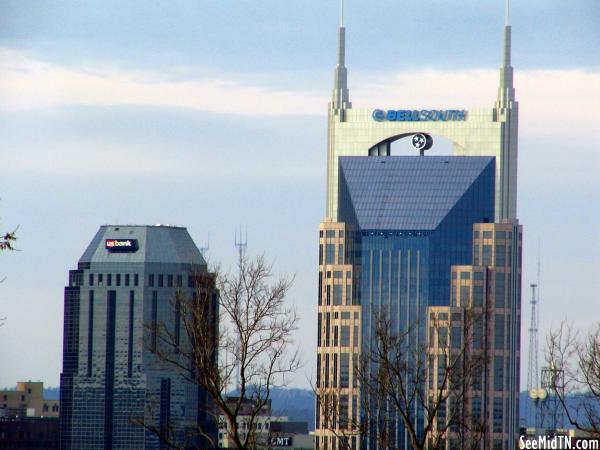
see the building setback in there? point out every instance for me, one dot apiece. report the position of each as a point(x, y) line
point(124, 283)
point(483, 323)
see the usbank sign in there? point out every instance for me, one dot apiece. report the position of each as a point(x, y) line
point(423, 115)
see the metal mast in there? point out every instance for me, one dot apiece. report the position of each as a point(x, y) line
point(532, 366)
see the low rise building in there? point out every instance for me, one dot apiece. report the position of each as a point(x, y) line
point(27, 400)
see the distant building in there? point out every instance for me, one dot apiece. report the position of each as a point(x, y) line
point(124, 283)
point(28, 433)
point(27, 400)
point(271, 432)
point(482, 321)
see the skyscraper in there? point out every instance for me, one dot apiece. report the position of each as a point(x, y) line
point(125, 283)
point(394, 228)
point(404, 221)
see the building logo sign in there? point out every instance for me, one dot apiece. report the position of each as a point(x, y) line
point(280, 441)
point(423, 115)
point(121, 245)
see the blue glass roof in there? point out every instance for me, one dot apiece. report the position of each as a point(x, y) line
point(407, 192)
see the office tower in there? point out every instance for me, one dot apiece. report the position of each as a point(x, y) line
point(124, 284)
point(483, 323)
point(404, 221)
point(385, 214)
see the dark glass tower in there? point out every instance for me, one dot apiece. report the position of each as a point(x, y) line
point(125, 281)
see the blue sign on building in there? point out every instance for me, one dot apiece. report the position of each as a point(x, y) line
point(423, 115)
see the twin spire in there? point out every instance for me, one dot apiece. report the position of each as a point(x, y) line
point(341, 95)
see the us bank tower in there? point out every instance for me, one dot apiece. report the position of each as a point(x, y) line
point(397, 232)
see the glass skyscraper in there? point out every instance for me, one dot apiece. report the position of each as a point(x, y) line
point(125, 283)
point(404, 221)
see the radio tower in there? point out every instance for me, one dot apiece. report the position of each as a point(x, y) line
point(533, 381)
point(241, 243)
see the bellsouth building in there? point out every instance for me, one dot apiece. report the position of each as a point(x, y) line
point(398, 234)
point(125, 283)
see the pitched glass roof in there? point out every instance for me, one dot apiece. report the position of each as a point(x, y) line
point(407, 192)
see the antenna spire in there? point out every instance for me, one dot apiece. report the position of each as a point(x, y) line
point(341, 97)
point(506, 92)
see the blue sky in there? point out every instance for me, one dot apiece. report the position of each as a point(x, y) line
point(211, 114)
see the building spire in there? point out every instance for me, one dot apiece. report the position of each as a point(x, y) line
point(341, 98)
point(506, 92)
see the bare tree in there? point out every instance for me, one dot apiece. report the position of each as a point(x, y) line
point(250, 345)
point(574, 375)
point(398, 390)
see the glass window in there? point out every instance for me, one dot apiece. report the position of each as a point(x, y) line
point(151, 280)
point(330, 254)
point(340, 254)
point(456, 337)
point(127, 279)
point(100, 279)
point(487, 234)
point(170, 280)
point(91, 279)
point(477, 295)
point(109, 279)
point(345, 315)
point(320, 254)
point(337, 274)
point(487, 255)
point(179, 280)
point(500, 234)
point(337, 294)
point(499, 332)
point(500, 255)
point(136, 279)
point(118, 279)
point(478, 276)
point(498, 373)
point(465, 275)
point(345, 336)
point(348, 295)
point(330, 233)
point(160, 280)
point(500, 290)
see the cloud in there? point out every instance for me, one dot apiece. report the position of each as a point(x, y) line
point(552, 101)
point(28, 84)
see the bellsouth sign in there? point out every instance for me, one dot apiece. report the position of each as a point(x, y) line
point(423, 115)
point(121, 245)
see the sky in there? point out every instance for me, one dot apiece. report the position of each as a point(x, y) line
point(212, 114)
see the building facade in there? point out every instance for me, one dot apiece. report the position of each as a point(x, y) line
point(27, 400)
point(482, 325)
point(475, 132)
point(124, 285)
point(391, 254)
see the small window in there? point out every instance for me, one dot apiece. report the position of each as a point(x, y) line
point(500, 234)
point(170, 280)
point(179, 280)
point(136, 279)
point(476, 234)
point(321, 233)
point(478, 275)
point(151, 280)
point(345, 315)
point(465, 275)
point(337, 274)
point(109, 279)
point(127, 279)
point(118, 279)
point(330, 233)
point(100, 280)
point(443, 316)
point(329, 274)
point(348, 274)
point(161, 280)
point(487, 234)
point(91, 279)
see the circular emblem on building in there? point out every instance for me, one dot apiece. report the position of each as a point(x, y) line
point(421, 141)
